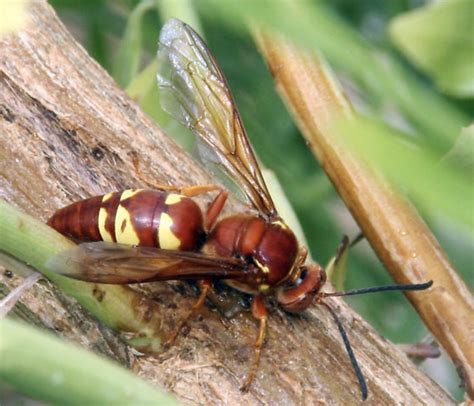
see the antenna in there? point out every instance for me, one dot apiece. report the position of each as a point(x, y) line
point(345, 339)
point(347, 344)
point(385, 288)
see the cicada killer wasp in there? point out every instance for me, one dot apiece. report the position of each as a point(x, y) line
point(162, 234)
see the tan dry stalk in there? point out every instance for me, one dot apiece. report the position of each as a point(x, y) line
point(396, 232)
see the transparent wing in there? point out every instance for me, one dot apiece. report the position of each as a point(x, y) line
point(195, 92)
point(105, 262)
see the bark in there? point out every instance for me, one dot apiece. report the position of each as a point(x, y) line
point(68, 132)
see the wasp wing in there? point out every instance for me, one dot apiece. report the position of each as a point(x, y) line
point(194, 91)
point(105, 262)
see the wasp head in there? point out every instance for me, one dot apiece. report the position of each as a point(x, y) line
point(304, 291)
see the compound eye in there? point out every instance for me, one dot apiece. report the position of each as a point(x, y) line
point(301, 276)
point(300, 296)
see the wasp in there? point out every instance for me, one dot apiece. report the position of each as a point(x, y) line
point(147, 235)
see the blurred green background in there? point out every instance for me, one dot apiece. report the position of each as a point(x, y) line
point(395, 68)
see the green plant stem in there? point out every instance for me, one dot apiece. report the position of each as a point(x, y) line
point(120, 307)
point(128, 56)
point(49, 369)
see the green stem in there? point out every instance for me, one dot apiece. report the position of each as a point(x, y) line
point(120, 307)
point(48, 369)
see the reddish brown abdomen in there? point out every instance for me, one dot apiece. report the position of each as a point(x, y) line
point(150, 218)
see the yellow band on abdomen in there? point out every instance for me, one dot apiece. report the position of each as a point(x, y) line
point(124, 231)
point(102, 220)
point(166, 238)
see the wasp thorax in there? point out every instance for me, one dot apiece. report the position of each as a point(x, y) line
point(269, 246)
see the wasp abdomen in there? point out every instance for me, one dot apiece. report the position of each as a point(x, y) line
point(151, 218)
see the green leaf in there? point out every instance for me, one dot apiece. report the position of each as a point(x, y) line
point(127, 62)
point(436, 186)
point(143, 87)
point(439, 39)
point(336, 269)
point(283, 205)
point(182, 9)
point(48, 369)
point(462, 154)
point(144, 90)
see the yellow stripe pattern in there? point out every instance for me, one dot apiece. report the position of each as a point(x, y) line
point(173, 198)
point(104, 234)
point(124, 231)
point(167, 239)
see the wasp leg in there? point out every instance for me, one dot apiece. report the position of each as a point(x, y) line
point(206, 286)
point(215, 209)
point(191, 191)
point(188, 191)
point(259, 311)
point(7, 303)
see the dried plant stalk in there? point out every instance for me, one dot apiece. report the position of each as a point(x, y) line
point(396, 232)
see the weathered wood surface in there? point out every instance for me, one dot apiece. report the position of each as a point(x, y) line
point(67, 132)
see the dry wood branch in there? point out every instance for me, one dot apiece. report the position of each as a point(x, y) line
point(396, 232)
point(67, 132)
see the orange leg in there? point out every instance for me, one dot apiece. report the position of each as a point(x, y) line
point(259, 311)
point(195, 190)
point(206, 286)
point(215, 209)
point(188, 191)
